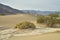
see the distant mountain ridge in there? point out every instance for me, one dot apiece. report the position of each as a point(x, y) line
point(8, 10)
point(41, 12)
point(4, 9)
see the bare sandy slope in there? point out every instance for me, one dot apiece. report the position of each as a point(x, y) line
point(12, 20)
point(48, 36)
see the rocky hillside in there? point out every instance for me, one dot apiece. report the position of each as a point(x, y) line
point(8, 10)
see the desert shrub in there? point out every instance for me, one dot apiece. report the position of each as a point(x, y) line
point(49, 21)
point(54, 15)
point(40, 19)
point(2, 14)
point(25, 25)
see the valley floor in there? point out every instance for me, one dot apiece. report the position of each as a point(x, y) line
point(8, 33)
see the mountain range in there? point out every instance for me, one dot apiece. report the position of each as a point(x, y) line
point(4, 9)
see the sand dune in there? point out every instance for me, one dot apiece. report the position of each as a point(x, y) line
point(12, 20)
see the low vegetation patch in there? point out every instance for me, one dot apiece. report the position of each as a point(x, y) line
point(2, 14)
point(25, 25)
point(50, 20)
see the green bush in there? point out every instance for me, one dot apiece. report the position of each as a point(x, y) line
point(25, 25)
point(49, 21)
point(40, 19)
point(54, 15)
point(2, 14)
point(58, 21)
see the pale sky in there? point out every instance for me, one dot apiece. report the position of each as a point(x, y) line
point(33, 4)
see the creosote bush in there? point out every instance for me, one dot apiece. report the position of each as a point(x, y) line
point(2, 14)
point(50, 20)
point(25, 25)
point(40, 19)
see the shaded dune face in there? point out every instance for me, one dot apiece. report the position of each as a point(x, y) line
point(48, 36)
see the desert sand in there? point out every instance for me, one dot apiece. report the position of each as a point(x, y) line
point(12, 20)
point(47, 36)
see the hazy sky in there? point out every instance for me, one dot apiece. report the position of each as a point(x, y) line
point(33, 4)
